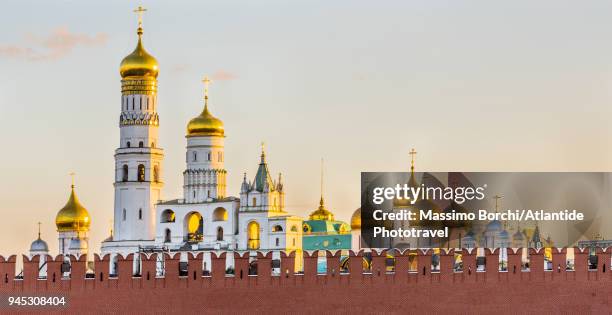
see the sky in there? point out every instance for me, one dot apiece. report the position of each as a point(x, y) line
point(472, 85)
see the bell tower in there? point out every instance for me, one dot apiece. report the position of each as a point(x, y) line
point(204, 179)
point(138, 160)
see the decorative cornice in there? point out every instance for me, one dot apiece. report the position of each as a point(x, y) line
point(138, 119)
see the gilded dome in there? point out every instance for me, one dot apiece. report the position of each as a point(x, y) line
point(205, 125)
point(73, 216)
point(322, 213)
point(139, 63)
point(406, 203)
point(356, 220)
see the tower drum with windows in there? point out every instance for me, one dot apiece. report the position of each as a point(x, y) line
point(205, 175)
point(138, 160)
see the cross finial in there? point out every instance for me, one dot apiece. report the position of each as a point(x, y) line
point(412, 153)
point(497, 198)
point(72, 176)
point(39, 229)
point(140, 11)
point(263, 152)
point(207, 83)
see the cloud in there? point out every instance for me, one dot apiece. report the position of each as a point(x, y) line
point(59, 43)
point(222, 75)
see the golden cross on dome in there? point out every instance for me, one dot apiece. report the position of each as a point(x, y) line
point(39, 229)
point(140, 11)
point(412, 153)
point(72, 175)
point(207, 83)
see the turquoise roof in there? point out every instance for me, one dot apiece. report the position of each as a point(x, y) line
point(322, 242)
point(326, 227)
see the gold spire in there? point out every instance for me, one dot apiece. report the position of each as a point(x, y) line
point(39, 229)
point(263, 152)
point(73, 216)
point(322, 213)
point(205, 124)
point(412, 153)
point(139, 63)
point(405, 203)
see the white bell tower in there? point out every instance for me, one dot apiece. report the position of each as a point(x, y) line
point(138, 160)
point(204, 179)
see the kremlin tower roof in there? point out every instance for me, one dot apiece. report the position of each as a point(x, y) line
point(263, 177)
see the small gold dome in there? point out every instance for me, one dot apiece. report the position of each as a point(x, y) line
point(205, 125)
point(139, 63)
point(356, 220)
point(73, 216)
point(322, 213)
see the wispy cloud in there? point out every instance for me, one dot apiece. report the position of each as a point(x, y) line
point(59, 43)
point(222, 75)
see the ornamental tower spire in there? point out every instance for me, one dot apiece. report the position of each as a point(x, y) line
point(139, 158)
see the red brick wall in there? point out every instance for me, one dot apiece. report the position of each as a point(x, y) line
point(554, 291)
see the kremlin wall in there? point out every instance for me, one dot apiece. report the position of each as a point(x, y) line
point(373, 290)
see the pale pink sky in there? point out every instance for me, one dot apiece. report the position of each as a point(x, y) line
point(472, 85)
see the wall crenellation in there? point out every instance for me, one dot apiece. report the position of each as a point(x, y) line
point(193, 274)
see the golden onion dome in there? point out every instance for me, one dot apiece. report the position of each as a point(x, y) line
point(356, 220)
point(139, 63)
point(73, 216)
point(322, 213)
point(205, 125)
point(406, 203)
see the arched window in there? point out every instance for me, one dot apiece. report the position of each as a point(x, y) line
point(294, 242)
point(195, 156)
point(254, 202)
point(277, 241)
point(141, 173)
point(167, 236)
point(167, 216)
point(220, 214)
point(219, 234)
point(219, 157)
point(156, 173)
point(153, 145)
point(194, 225)
point(294, 228)
point(140, 214)
point(141, 144)
point(124, 176)
point(209, 156)
point(129, 144)
point(277, 228)
point(253, 233)
point(124, 214)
